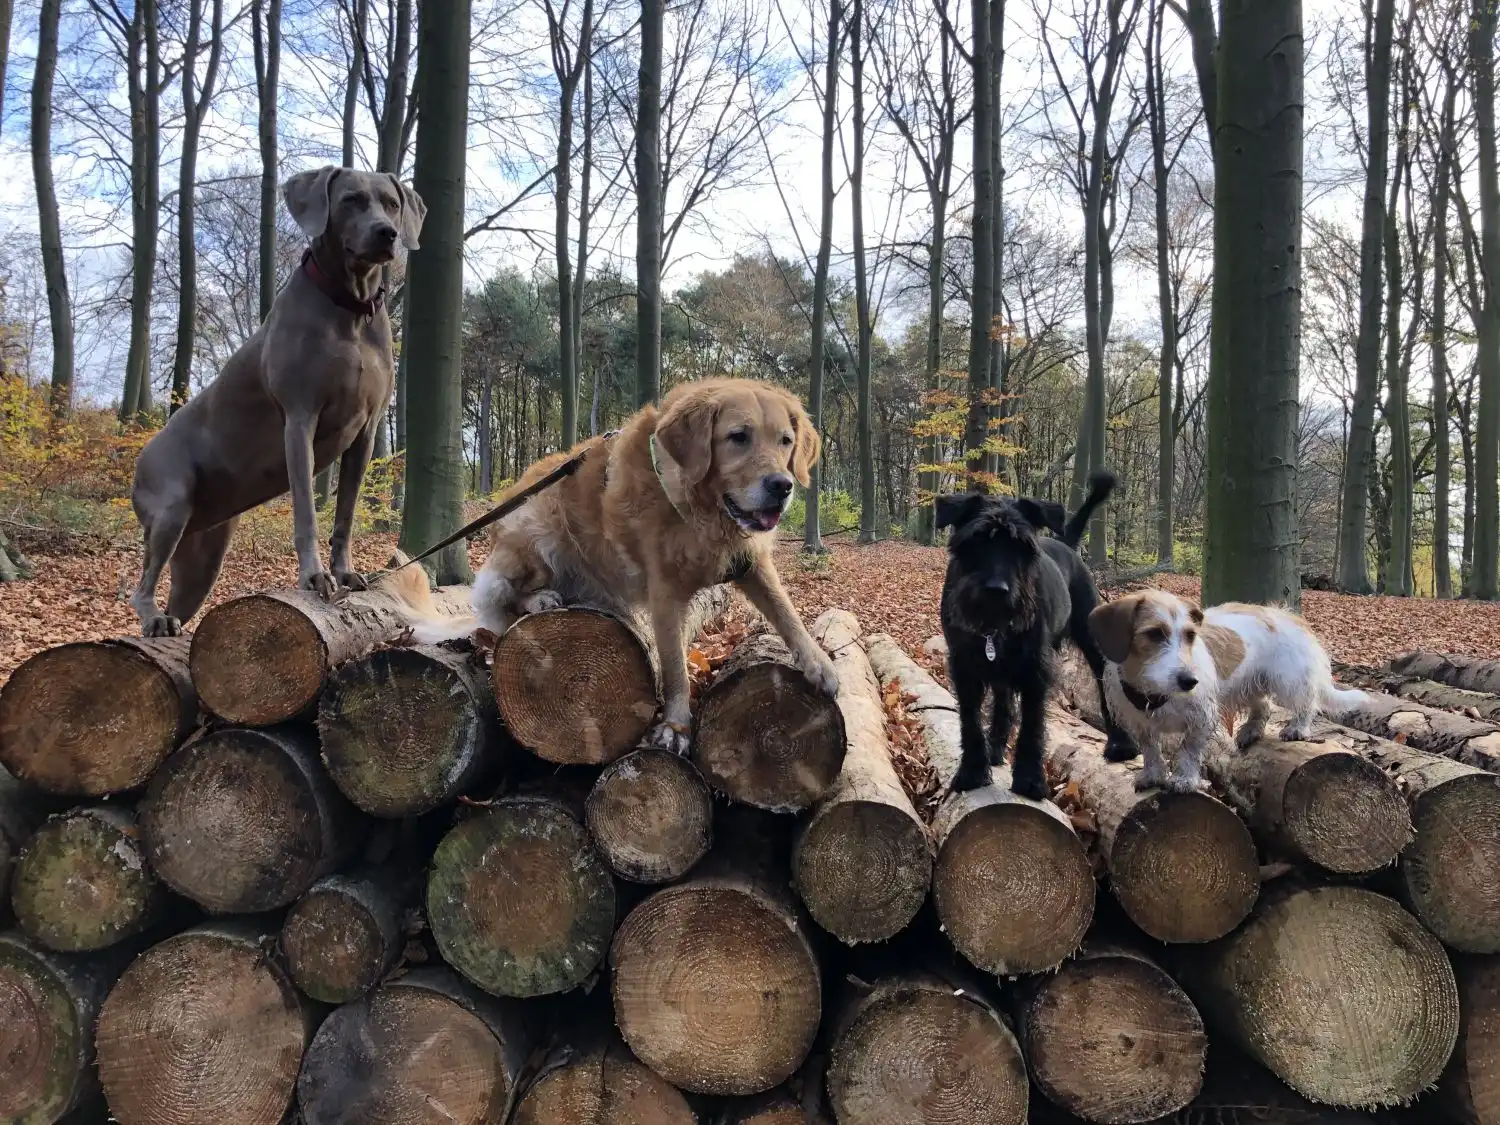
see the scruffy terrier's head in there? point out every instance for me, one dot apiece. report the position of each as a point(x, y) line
point(993, 556)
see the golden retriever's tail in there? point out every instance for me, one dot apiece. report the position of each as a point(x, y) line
point(410, 587)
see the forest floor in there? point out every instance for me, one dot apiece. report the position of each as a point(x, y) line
point(891, 587)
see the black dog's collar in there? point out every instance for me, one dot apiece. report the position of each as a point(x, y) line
point(1143, 702)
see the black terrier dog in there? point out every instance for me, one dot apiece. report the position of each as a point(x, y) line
point(1009, 599)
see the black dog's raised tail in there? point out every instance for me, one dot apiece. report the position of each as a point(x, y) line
point(1101, 484)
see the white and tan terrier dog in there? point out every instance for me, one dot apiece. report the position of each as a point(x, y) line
point(1176, 670)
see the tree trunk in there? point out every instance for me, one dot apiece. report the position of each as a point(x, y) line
point(97, 717)
point(484, 437)
point(997, 463)
point(812, 533)
point(1487, 431)
point(1399, 579)
point(435, 294)
point(201, 1022)
point(1296, 985)
point(1166, 430)
point(242, 821)
point(1257, 322)
point(1198, 17)
point(1438, 328)
point(591, 1076)
point(266, 18)
point(651, 816)
point(348, 931)
point(519, 900)
point(864, 326)
point(398, 485)
point(648, 186)
point(195, 103)
point(394, 115)
point(568, 73)
point(1359, 461)
point(359, 21)
point(982, 282)
point(59, 304)
point(144, 82)
point(7, 9)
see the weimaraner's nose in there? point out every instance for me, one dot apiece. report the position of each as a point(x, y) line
point(385, 232)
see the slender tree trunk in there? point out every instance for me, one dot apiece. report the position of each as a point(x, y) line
point(266, 19)
point(1399, 579)
point(7, 10)
point(195, 103)
point(59, 304)
point(359, 24)
point(144, 84)
point(864, 326)
point(1156, 114)
point(1251, 541)
point(811, 537)
point(486, 439)
point(1443, 471)
point(580, 278)
point(1359, 463)
point(1487, 427)
point(393, 116)
point(568, 72)
point(1199, 20)
point(982, 291)
point(648, 208)
point(435, 293)
point(997, 464)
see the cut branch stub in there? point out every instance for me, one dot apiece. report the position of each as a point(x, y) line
point(651, 814)
point(97, 717)
point(764, 735)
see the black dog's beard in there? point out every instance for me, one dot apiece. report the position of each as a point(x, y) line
point(983, 611)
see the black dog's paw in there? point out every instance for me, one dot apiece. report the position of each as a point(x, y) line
point(1029, 785)
point(1121, 750)
point(971, 775)
point(995, 751)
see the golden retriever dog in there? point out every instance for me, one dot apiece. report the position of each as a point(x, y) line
point(680, 499)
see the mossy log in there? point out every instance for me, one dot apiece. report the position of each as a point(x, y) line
point(205, 1027)
point(578, 686)
point(48, 1006)
point(97, 717)
point(1472, 673)
point(1473, 742)
point(264, 658)
point(1012, 882)
point(1471, 1085)
point(242, 821)
point(1111, 1037)
point(1337, 990)
point(764, 735)
point(426, 1049)
point(1183, 865)
point(591, 1078)
point(518, 898)
point(651, 816)
point(407, 730)
point(915, 1050)
point(347, 932)
point(862, 861)
point(82, 883)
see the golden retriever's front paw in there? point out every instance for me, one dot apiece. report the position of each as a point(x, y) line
point(820, 672)
point(675, 738)
point(541, 601)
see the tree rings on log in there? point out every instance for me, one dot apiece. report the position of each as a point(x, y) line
point(346, 933)
point(919, 1052)
point(97, 717)
point(765, 736)
point(1338, 991)
point(406, 730)
point(422, 1050)
point(519, 900)
point(716, 987)
point(204, 1027)
point(651, 815)
point(83, 882)
point(1111, 1038)
point(602, 1084)
point(1471, 1085)
point(575, 686)
point(242, 821)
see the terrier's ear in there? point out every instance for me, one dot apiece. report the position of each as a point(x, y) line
point(958, 509)
point(1113, 626)
point(1044, 515)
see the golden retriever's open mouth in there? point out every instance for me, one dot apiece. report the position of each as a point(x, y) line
point(762, 519)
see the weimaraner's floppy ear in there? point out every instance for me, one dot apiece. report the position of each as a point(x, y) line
point(685, 431)
point(306, 196)
point(1113, 626)
point(413, 212)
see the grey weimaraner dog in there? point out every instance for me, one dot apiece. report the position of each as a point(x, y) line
point(309, 387)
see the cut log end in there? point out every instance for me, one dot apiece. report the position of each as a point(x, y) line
point(1113, 1039)
point(1449, 873)
point(716, 988)
point(44, 1037)
point(260, 659)
point(1013, 886)
point(202, 1027)
point(1327, 795)
point(863, 868)
point(340, 939)
point(519, 900)
point(651, 815)
point(606, 1087)
point(98, 717)
point(914, 1054)
point(1471, 1086)
point(82, 884)
point(406, 730)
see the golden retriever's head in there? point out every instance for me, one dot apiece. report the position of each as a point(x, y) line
point(741, 445)
point(1150, 635)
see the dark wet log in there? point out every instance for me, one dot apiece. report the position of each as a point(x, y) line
point(347, 932)
point(651, 816)
point(591, 1078)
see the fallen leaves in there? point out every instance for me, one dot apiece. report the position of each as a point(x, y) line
point(909, 751)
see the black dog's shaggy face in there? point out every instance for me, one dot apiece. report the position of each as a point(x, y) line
point(993, 556)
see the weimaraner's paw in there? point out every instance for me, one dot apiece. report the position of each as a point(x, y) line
point(1184, 783)
point(1149, 779)
point(671, 737)
point(321, 583)
point(819, 671)
point(351, 580)
point(162, 626)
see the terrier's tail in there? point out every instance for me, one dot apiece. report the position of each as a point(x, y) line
point(1101, 484)
point(1340, 701)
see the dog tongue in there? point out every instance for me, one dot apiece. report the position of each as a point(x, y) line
point(766, 520)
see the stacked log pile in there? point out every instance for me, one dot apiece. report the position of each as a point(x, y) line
point(297, 868)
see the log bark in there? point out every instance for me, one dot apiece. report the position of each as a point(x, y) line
point(203, 1027)
point(1337, 990)
point(1473, 742)
point(716, 985)
point(1182, 865)
point(764, 735)
point(407, 730)
point(242, 821)
point(1476, 704)
point(1112, 1038)
point(82, 883)
point(917, 1051)
point(862, 861)
point(426, 1049)
point(48, 1006)
point(651, 816)
point(347, 932)
point(1471, 1085)
point(578, 686)
point(1472, 673)
point(519, 900)
point(264, 658)
point(97, 717)
point(1012, 882)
